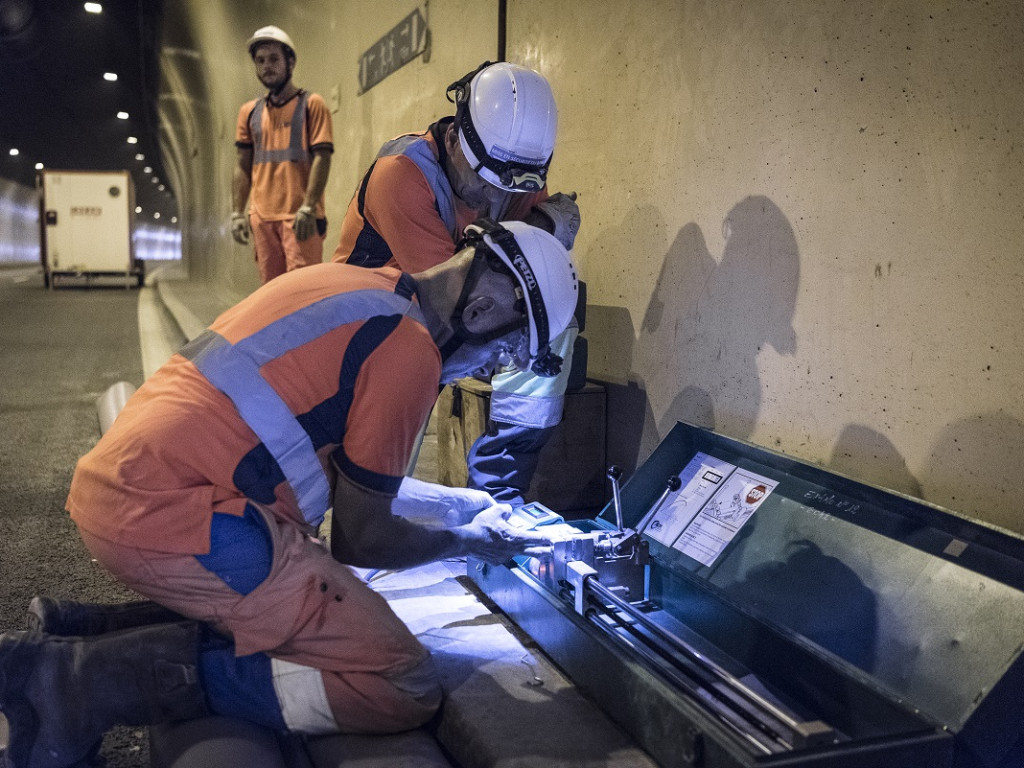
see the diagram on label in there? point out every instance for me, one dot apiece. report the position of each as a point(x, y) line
point(735, 501)
point(714, 501)
point(699, 481)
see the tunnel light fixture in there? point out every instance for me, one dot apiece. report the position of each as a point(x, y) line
point(132, 140)
point(93, 8)
point(122, 115)
point(110, 77)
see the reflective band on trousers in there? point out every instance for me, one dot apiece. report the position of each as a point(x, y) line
point(294, 152)
point(234, 369)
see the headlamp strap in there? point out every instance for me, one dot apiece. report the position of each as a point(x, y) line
point(461, 86)
point(529, 177)
point(525, 277)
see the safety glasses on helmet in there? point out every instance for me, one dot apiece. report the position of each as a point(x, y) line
point(512, 172)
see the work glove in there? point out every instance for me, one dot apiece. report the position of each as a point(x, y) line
point(305, 223)
point(431, 503)
point(563, 213)
point(490, 537)
point(240, 228)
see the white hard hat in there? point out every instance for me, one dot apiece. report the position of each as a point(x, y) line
point(545, 272)
point(271, 34)
point(507, 122)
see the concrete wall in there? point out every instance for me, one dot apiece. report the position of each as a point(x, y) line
point(803, 222)
point(19, 223)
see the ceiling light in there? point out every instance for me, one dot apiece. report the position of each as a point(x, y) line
point(122, 115)
point(14, 152)
point(138, 209)
point(156, 215)
point(174, 219)
point(161, 187)
point(39, 166)
point(154, 179)
point(132, 140)
point(141, 156)
point(147, 169)
point(109, 76)
point(93, 8)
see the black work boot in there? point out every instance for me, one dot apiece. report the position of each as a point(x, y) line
point(71, 619)
point(61, 694)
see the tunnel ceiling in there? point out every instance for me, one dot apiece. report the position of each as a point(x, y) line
point(56, 107)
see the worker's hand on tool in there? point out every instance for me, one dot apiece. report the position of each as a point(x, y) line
point(431, 502)
point(490, 537)
point(563, 213)
point(240, 228)
point(305, 223)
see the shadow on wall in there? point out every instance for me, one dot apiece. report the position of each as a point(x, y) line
point(975, 469)
point(695, 358)
point(858, 447)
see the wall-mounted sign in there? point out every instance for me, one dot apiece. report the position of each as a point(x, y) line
point(409, 38)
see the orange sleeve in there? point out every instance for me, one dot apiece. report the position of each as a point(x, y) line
point(393, 395)
point(400, 206)
point(318, 126)
point(242, 133)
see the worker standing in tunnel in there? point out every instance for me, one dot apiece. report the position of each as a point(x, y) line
point(206, 494)
point(284, 144)
point(490, 159)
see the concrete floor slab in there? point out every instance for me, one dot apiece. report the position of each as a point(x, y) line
point(505, 704)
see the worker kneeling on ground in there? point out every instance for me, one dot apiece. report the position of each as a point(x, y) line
point(207, 492)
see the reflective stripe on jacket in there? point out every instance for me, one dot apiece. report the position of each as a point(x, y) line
point(295, 152)
point(234, 369)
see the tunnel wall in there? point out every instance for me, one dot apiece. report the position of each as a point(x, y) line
point(802, 223)
point(19, 223)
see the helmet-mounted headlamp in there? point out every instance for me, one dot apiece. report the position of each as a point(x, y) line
point(510, 170)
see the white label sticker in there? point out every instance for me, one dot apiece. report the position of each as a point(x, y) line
point(699, 481)
point(720, 519)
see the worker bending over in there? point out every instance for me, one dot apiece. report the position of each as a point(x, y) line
point(208, 490)
point(490, 159)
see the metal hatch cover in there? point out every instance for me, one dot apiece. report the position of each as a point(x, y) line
point(881, 619)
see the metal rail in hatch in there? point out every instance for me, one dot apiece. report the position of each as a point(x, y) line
point(765, 726)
